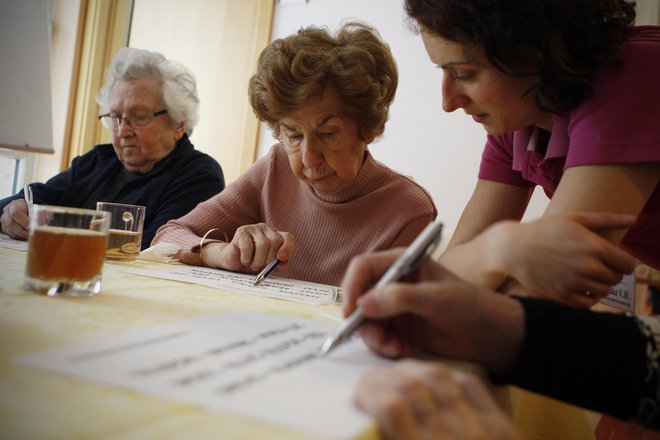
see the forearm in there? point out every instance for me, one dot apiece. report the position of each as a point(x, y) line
point(594, 360)
point(211, 214)
point(179, 233)
point(481, 260)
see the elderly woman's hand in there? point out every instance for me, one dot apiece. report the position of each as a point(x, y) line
point(15, 219)
point(435, 311)
point(251, 248)
point(428, 400)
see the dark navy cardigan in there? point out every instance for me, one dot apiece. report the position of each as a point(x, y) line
point(173, 188)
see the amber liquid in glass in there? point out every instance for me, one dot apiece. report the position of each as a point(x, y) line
point(65, 254)
point(123, 245)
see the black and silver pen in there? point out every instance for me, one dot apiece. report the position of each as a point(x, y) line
point(27, 193)
point(412, 257)
point(266, 271)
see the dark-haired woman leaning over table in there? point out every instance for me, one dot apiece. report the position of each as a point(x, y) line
point(568, 95)
point(326, 98)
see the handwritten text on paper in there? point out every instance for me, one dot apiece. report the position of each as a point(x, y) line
point(283, 288)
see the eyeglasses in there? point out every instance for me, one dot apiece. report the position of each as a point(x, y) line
point(113, 121)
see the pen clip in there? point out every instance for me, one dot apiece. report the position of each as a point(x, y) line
point(419, 259)
point(29, 199)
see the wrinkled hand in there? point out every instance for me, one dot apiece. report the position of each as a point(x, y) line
point(427, 400)
point(251, 248)
point(435, 311)
point(15, 219)
point(561, 257)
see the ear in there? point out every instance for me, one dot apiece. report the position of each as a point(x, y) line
point(368, 138)
point(179, 130)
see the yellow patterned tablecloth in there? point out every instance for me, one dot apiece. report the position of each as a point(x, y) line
point(37, 404)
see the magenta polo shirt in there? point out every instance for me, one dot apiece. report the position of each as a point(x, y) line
point(619, 124)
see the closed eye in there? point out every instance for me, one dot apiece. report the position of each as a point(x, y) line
point(459, 78)
point(293, 138)
point(139, 118)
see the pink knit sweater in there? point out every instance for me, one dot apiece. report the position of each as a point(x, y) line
point(380, 210)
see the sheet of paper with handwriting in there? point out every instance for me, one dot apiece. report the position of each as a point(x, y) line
point(10, 243)
point(283, 288)
point(260, 365)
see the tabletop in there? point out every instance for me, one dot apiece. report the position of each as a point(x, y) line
point(43, 404)
point(36, 404)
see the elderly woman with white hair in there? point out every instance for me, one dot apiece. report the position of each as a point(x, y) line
point(150, 104)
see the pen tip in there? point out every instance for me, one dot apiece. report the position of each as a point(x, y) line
point(326, 347)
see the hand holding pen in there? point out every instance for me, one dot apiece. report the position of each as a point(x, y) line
point(409, 260)
point(15, 220)
point(252, 249)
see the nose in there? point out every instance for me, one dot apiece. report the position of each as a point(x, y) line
point(124, 129)
point(311, 153)
point(453, 97)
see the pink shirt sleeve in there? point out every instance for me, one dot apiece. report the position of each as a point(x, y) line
point(237, 205)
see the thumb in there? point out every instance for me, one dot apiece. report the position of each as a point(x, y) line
point(230, 257)
point(601, 221)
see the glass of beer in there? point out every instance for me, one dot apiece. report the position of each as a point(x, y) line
point(66, 250)
point(125, 235)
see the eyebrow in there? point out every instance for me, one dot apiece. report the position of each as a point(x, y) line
point(323, 122)
point(454, 63)
point(133, 108)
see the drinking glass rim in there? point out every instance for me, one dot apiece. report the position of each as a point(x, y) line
point(70, 210)
point(120, 204)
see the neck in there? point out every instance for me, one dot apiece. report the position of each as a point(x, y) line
point(546, 122)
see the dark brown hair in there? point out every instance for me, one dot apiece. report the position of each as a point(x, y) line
point(355, 62)
point(560, 42)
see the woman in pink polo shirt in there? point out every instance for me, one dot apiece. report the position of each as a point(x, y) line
point(568, 94)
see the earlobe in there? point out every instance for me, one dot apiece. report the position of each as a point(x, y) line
point(178, 131)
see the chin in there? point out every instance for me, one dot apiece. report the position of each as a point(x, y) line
point(141, 168)
point(495, 131)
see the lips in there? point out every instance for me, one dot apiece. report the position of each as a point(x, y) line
point(316, 176)
point(316, 179)
point(480, 118)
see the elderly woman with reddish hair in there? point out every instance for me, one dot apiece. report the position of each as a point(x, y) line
point(319, 197)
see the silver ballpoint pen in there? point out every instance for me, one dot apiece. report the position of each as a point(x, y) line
point(412, 257)
point(27, 193)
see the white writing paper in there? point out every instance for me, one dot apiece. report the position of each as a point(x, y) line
point(10, 243)
point(283, 288)
point(622, 295)
point(259, 365)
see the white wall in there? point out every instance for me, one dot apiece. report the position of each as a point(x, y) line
point(648, 12)
point(62, 55)
point(440, 150)
point(25, 117)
